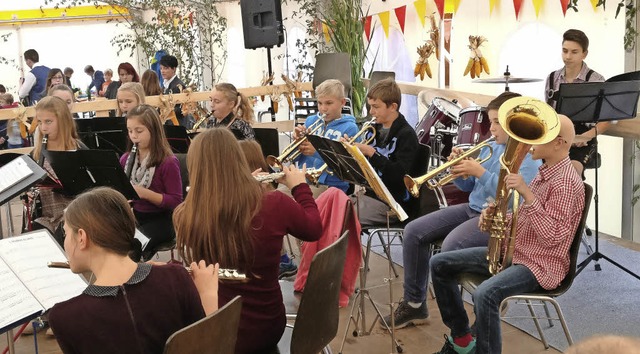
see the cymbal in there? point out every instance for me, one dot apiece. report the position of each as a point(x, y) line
point(426, 97)
point(503, 80)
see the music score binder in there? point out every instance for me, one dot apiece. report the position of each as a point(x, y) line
point(17, 175)
point(30, 288)
point(84, 169)
point(349, 164)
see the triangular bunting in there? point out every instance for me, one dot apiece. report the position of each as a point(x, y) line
point(367, 27)
point(564, 4)
point(325, 32)
point(492, 4)
point(537, 4)
point(384, 21)
point(440, 6)
point(594, 3)
point(451, 6)
point(401, 14)
point(421, 9)
point(516, 6)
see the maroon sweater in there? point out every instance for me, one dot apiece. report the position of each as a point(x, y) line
point(263, 315)
point(163, 299)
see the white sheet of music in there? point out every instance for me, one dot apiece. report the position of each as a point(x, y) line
point(28, 254)
point(16, 302)
point(13, 172)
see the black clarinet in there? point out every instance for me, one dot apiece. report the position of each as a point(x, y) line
point(131, 159)
point(45, 139)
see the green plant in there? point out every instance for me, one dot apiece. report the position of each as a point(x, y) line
point(346, 28)
point(191, 30)
point(630, 33)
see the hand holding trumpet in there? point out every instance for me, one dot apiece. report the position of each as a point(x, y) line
point(466, 167)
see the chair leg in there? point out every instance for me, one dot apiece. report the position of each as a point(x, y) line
point(565, 328)
point(586, 243)
point(547, 313)
point(327, 350)
point(537, 323)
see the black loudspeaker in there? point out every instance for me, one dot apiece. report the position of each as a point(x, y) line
point(261, 23)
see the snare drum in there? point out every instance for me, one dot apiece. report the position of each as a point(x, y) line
point(441, 115)
point(474, 126)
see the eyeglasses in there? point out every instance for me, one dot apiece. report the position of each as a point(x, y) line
point(57, 77)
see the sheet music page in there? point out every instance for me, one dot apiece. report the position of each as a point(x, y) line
point(16, 302)
point(13, 172)
point(376, 183)
point(144, 240)
point(28, 254)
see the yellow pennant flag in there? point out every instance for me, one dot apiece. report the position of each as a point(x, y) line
point(451, 6)
point(384, 21)
point(325, 32)
point(421, 9)
point(537, 4)
point(492, 4)
point(594, 3)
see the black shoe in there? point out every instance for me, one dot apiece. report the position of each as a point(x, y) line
point(405, 315)
point(450, 347)
point(287, 269)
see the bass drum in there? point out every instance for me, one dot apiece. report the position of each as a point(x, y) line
point(474, 126)
point(442, 115)
point(430, 200)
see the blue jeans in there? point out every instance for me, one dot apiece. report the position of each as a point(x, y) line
point(445, 269)
point(458, 223)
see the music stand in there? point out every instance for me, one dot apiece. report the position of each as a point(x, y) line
point(104, 133)
point(348, 164)
point(595, 102)
point(83, 169)
point(178, 138)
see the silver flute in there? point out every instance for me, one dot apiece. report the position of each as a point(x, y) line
point(272, 177)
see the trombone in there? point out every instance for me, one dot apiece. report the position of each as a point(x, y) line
point(314, 175)
point(442, 175)
point(292, 151)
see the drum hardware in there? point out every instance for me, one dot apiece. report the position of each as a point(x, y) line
point(506, 79)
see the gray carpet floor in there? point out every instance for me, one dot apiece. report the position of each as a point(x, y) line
point(606, 301)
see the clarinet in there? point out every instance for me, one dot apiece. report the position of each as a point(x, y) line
point(45, 139)
point(131, 159)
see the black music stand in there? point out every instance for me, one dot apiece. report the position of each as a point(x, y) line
point(595, 102)
point(345, 166)
point(83, 169)
point(178, 138)
point(104, 133)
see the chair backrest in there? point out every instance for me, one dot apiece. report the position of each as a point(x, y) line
point(317, 319)
point(333, 66)
point(215, 333)
point(575, 245)
point(268, 139)
point(184, 172)
point(381, 75)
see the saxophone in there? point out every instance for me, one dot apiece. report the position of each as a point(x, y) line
point(528, 122)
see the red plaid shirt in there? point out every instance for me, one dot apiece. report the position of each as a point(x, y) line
point(546, 227)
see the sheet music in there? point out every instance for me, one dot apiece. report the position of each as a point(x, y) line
point(376, 183)
point(16, 302)
point(144, 240)
point(27, 255)
point(13, 172)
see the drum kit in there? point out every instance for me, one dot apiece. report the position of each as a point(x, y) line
point(448, 123)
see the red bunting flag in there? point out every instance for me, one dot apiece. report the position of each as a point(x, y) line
point(564, 4)
point(400, 14)
point(516, 6)
point(440, 6)
point(367, 27)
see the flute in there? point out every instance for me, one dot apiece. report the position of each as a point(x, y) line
point(223, 274)
point(272, 177)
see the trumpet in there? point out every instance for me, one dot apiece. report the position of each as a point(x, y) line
point(442, 175)
point(292, 151)
point(366, 127)
point(272, 177)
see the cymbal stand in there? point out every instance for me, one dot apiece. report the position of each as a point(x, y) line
point(363, 294)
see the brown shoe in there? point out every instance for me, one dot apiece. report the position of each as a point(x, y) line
point(50, 332)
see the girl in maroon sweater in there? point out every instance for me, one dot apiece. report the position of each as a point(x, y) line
point(130, 307)
point(228, 218)
point(155, 174)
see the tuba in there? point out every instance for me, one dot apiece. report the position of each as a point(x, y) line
point(441, 175)
point(314, 176)
point(528, 122)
